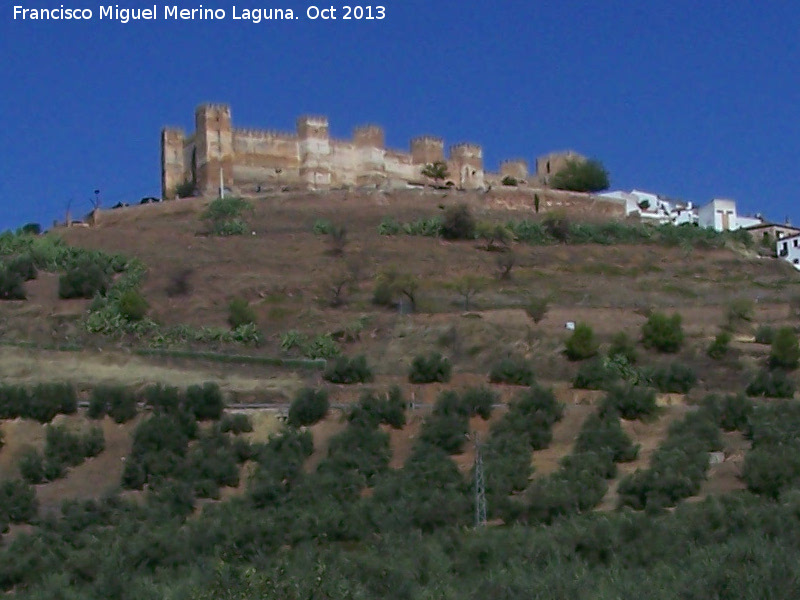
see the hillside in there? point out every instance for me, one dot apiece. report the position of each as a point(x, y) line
point(543, 449)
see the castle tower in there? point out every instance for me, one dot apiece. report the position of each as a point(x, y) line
point(173, 168)
point(467, 165)
point(369, 136)
point(427, 149)
point(517, 168)
point(213, 147)
point(314, 150)
point(369, 140)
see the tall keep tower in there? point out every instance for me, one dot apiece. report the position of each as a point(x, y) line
point(467, 160)
point(213, 147)
point(315, 151)
point(173, 168)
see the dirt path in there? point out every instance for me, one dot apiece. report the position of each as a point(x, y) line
point(565, 432)
point(91, 368)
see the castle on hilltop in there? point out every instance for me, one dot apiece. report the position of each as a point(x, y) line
point(251, 161)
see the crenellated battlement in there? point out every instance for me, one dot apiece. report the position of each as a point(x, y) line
point(427, 139)
point(248, 159)
point(265, 133)
point(215, 107)
point(369, 136)
point(466, 149)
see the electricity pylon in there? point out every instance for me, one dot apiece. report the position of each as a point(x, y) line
point(480, 487)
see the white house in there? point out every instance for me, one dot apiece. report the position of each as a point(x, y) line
point(719, 214)
point(788, 249)
point(656, 209)
point(646, 205)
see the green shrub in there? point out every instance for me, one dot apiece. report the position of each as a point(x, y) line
point(204, 402)
point(121, 403)
point(383, 294)
point(18, 502)
point(97, 405)
point(348, 370)
point(431, 368)
point(536, 308)
point(68, 449)
point(24, 266)
point(771, 384)
point(732, 412)
point(308, 407)
point(31, 466)
point(479, 401)
point(582, 343)
point(11, 285)
point(186, 189)
point(535, 406)
point(677, 468)
point(322, 227)
point(458, 223)
point(771, 470)
point(785, 352)
point(240, 313)
point(630, 401)
point(557, 227)
point(765, 334)
point(579, 175)
point(364, 450)
point(224, 216)
point(720, 346)
point(132, 305)
point(676, 378)
point(446, 428)
point(236, 423)
point(604, 435)
point(84, 279)
point(163, 399)
point(740, 310)
point(513, 371)
point(394, 409)
point(509, 180)
point(389, 226)
point(372, 410)
point(663, 333)
point(448, 432)
point(622, 345)
point(49, 399)
point(595, 374)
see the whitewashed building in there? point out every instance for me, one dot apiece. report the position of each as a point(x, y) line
point(788, 249)
point(654, 208)
point(719, 214)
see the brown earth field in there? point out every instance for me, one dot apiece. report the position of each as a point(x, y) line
point(286, 272)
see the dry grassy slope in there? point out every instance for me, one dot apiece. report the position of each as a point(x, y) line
point(282, 268)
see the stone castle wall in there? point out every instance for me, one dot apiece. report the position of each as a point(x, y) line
point(252, 161)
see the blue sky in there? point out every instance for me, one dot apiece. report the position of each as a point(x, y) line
point(693, 100)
